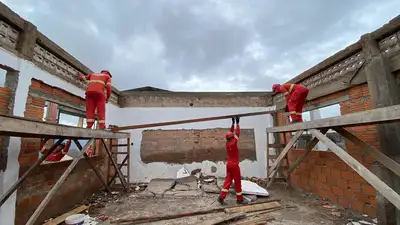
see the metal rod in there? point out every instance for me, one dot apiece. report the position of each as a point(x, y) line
point(92, 166)
point(55, 188)
point(15, 186)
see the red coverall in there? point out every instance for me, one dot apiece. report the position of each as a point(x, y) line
point(232, 167)
point(98, 93)
point(296, 96)
point(55, 156)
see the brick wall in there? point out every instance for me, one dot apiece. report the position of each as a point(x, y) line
point(324, 174)
point(187, 146)
point(82, 181)
point(4, 101)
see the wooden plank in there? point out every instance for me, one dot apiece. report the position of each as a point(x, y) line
point(373, 116)
point(276, 145)
point(141, 126)
point(267, 157)
point(24, 127)
point(119, 167)
point(262, 219)
point(382, 158)
point(379, 185)
point(57, 186)
point(253, 207)
point(225, 218)
point(61, 219)
point(308, 149)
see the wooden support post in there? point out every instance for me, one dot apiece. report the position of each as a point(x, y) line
point(379, 156)
point(384, 92)
point(308, 149)
point(380, 186)
point(277, 162)
point(128, 149)
point(15, 186)
point(120, 175)
point(55, 188)
point(91, 166)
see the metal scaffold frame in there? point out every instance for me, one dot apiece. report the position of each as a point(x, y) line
point(24, 127)
point(319, 128)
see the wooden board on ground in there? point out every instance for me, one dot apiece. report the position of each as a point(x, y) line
point(256, 220)
point(61, 219)
point(226, 218)
point(254, 208)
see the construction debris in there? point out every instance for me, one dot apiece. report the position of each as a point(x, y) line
point(225, 218)
point(62, 218)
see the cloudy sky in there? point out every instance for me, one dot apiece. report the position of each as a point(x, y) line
point(204, 45)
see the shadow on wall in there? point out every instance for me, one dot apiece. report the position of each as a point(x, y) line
point(189, 146)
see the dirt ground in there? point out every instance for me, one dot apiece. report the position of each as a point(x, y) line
point(304, 209)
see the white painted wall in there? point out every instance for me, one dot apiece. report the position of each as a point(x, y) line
point(141, 172)
point(28, 71)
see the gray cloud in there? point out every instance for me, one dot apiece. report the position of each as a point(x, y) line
point(204, 45)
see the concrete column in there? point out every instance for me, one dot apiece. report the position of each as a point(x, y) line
point(27, 40)
point(383, 92)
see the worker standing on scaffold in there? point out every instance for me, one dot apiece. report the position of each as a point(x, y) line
point(232, 165)
point(98, 93)
point(296, 96)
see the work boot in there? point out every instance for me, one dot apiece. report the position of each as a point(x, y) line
point(221, 201)
point(242, 202)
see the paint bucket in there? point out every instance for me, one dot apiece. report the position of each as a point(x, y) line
point(76, 219)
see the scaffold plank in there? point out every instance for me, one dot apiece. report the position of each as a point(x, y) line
point(24, 127)
point(373, 116)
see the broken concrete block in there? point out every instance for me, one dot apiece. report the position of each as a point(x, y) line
point(160, 186)
point(146, 194)
point(190, 182)
point(209, 188)
point(192, 193)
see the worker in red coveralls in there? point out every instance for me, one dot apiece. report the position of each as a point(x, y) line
point(232, 165)
point(58, 153)
point(296, 96)
point(98, 93)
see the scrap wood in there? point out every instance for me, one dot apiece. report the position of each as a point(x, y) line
point(225, 218)
point(61, 219)
point(254, 207)
point(147, 219)
point(257, 220)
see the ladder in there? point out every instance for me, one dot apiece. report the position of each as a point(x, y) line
point(273, 151)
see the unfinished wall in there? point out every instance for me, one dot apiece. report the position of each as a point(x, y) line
point(141, 171)
point(326, 175)
point(28, 106)
point(188, 146)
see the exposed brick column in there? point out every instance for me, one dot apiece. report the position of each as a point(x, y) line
point(383, 92)
point(11, 84)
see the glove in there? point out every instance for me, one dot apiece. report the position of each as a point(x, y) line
point(233, 120)
point(286, 109)
point(237, 120)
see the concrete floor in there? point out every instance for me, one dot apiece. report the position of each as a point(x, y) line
point(309, 209)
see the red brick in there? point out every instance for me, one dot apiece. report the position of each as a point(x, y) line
point(336, 174)
point(340, 166)
point(355, 186)
point(369, 210)
point(357, 206)
point(342, 183)
point(326, 187)
point(344, 202)
point(362, 198)
point(348, 175)
point(349, 194)
point(337, 190)
point(368, 190)
point(4, 91)
point(358, 178)
point(321, 178)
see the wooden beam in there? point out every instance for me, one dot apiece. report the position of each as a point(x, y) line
point(373, 116)
point(274, 168)
point(24, 127)
point(379, 156)
point(169, 123)
point(118, 171)
point(57, 186)
point(380, 186)
point(308, 149)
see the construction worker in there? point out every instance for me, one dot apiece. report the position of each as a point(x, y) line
point(296, 96)
point(98, 93)
point(58, 153)
point(232, 165)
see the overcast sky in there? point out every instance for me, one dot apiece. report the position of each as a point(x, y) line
point(204, 45)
